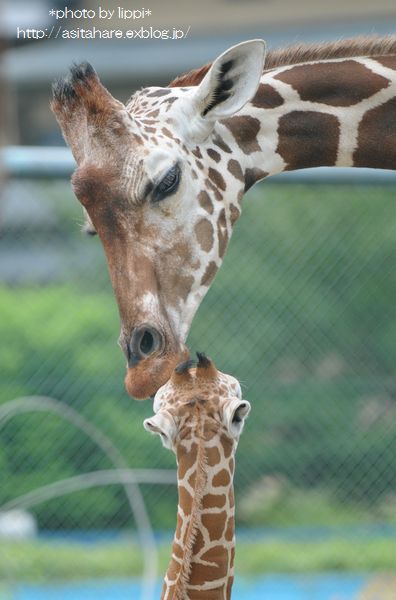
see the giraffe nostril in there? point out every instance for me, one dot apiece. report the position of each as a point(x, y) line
point(145, 341)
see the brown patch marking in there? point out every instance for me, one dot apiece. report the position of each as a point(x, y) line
point(229, 531)
point(222, 478)
point(200, 573)
point(334, 83)
point(267, 97)
point(308, 139)
point(235, 169)
point(217, 178)
point(214, 500)
point(214, 189)
point(168, 133)
point(209, 274)
point(377, 138)
point(227, 445)
point(204, 234)
point(214, 155)
point(185, 498)
point(205, 201)
point(186, 459)
point(244, 130)
point(386, 61)
point(212, 456)
point(218, 141)
point(214, 523)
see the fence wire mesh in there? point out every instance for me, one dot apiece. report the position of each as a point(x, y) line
point(303, 312)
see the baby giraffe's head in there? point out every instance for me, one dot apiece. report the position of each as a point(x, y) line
point(198, 403)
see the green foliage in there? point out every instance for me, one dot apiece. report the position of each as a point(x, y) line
point(302, 312)
point(324, 555)
point(40, 561)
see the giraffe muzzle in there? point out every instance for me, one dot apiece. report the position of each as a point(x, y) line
point(145, 341)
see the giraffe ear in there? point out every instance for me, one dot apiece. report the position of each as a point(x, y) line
point(235, 414)
point(164, 426)
point(231, 81)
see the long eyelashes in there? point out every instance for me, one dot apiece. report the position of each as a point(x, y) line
point(168, 184)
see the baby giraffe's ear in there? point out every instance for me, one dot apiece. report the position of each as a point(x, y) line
point(163, 425)
point(231, 81)
point(235, 413)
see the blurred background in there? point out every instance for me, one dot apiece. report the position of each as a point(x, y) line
point(303, 312)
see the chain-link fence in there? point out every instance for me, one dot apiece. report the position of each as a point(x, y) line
point(303, 312)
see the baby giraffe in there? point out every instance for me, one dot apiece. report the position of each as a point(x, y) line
point(200, 416)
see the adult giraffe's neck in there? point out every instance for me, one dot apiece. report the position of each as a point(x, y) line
point(328, 113)
point(203, 548)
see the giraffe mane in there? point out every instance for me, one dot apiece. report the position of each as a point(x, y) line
point(302, 53)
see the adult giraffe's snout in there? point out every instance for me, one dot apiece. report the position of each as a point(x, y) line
point(151, 360)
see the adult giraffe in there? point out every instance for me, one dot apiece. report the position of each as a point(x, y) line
point(200, 415)
point(162, 177)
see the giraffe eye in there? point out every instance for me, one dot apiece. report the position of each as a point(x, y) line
point(168, 184)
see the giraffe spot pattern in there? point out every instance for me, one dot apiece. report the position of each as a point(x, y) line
point(177, 550)
point(214, 189)
point(205, 201)
point(214, 500)
point(221, 479)
point(215, 524)
point(229, 530)
point(334, 83)
point(214, 155)
point(199, 543)
point(185, 498)
point(235, 169)
point(187, 459)
point(209, 274)
point(227, 447)
point(212, 456)
point(217, 178)
point(218, 141)
point(244, 130)
point(204, 234)
point(167, 132)
point(308, 139)
point(377, 123)
point(387, 61)
point(267, 97)
point(206, 573)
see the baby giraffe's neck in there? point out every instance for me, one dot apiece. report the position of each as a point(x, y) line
point(202, 562)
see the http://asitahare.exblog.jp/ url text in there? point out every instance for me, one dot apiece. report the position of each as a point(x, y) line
point(60, 32)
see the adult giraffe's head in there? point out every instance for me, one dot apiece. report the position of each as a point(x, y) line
point(150, 176)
